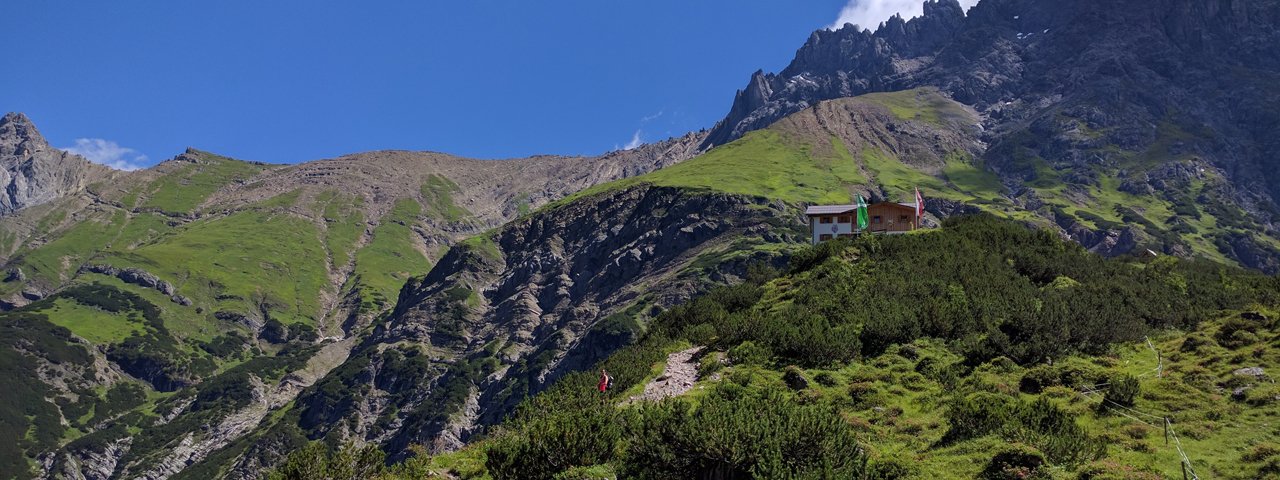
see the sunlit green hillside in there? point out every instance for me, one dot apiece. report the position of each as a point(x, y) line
point(827, 153)
point(983, 350)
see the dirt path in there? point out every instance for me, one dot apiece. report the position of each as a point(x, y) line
point(676, 379)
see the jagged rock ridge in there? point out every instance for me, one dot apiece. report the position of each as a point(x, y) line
point(33, 173)
point(1076, 92)
point(496, 320)
point(349, 231)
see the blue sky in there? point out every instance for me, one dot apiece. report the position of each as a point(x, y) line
point(135, 82)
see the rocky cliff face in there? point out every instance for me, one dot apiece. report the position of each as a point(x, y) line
point(1125, 125)
point(347, 234)
point(34, 173)
point(1006, 50)
point(502, 316)
point(1076, 93)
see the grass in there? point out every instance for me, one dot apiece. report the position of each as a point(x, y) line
point(437, 198)
point(466, 464)
point(791, 167)
point(1156, 210)
point(900, 180)
point(920, 104)
point(971, 178)
point(900, 402)
point(185, 189)
point(763, 163)
point(280, 202)
point(390, 258)
point(484, 245)
point(141, 228)
point(130, 198)
point(7, 241)
point(53, 262)
point(522, 204)
point(260, 258)
point(786, 166)
point(51, 221)
point(93, 324)
point(1168, 135)
point(243, 262)
point(344, 224)
point(901, 413)
point(182, 322)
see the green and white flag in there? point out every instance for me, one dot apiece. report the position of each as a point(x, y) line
point(862, 213)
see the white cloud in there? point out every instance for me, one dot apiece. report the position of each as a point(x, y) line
point(108, 153)
point(650, 118)
point(868, 14)
point(636, 141)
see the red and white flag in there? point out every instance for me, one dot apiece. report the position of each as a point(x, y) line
point(919, 204)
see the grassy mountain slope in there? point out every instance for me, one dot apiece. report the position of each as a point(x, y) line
point(886, 144)
point(243, 282)
point(841, 146)
point(1017, 356)
point(497, 321)
point(1165, 104)
point(246, 266)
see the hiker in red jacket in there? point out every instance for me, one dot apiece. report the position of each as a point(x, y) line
point(605, 381)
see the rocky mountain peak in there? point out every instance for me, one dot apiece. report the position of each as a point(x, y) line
point(32, 172)
point(839, 63)
point(18, 135)
point(1120, 89)
point(191, 155)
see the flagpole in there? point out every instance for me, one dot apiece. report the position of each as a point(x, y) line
point(919, 207)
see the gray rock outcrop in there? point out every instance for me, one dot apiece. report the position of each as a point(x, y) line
point(1157, 93)
point(525, 316)
point(141, 278)
point(33, 173)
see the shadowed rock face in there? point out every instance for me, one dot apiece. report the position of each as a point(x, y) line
point(88, 215)
point(1009, 49)
point(32, 172)
point(1082, 90)
point(501, 319)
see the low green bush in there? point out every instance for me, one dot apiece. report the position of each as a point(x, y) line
point(710, 363)
point(826, 379)
point(550, 445)
point(1037, 379)
point(315, 461)
point(1019, 462)
point(1236, 333)
point(1040, 424)
point(1121, 391)
point(748, 353)
point(741, 432)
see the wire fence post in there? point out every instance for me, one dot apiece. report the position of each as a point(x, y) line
point(1184, 470)
point(1166, 431)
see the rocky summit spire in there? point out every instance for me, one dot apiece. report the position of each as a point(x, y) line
point(32, 172)
point(18, 133)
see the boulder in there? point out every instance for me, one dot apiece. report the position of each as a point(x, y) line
point(1256, 372)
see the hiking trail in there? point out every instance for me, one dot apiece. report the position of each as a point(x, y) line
point(676, 379)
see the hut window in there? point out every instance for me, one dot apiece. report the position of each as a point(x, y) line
point(826, 220)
